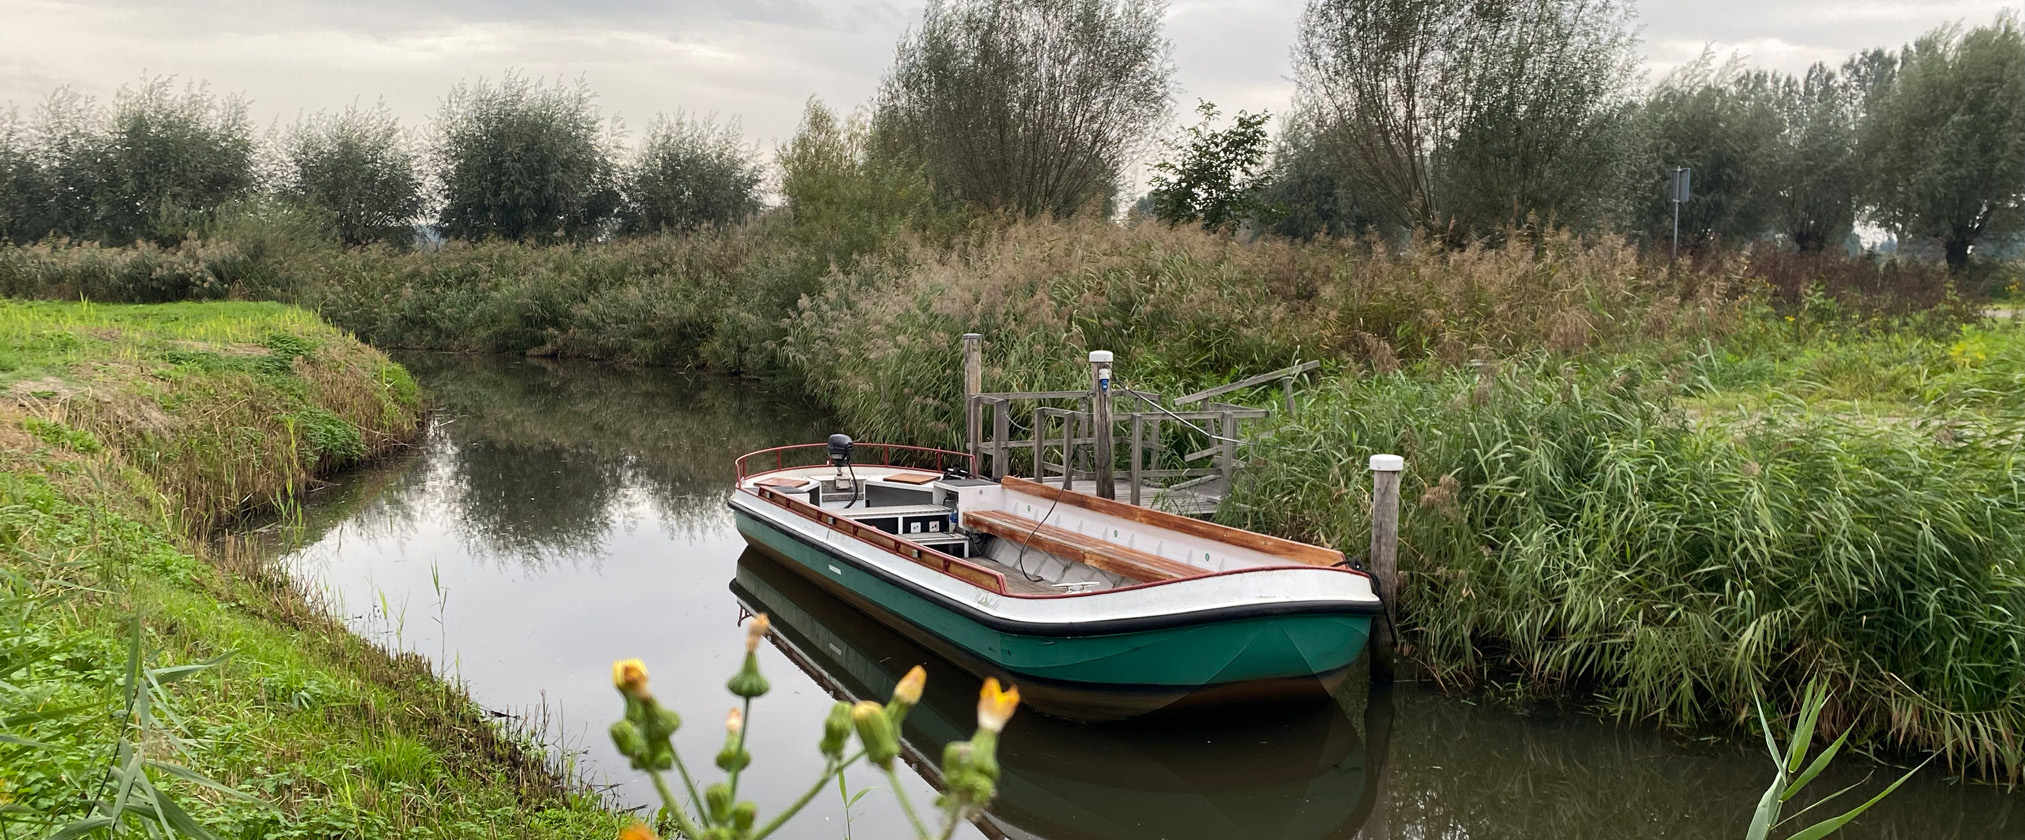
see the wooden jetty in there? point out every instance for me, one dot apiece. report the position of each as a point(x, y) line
point(1071, 438)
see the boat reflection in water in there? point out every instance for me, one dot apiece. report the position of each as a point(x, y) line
point(1276, 771)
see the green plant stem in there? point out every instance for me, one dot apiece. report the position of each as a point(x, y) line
point(673, 806)
point(956, 809)
point(745, 718)
point(782, 818)
point(906, 805)
point(695, 801)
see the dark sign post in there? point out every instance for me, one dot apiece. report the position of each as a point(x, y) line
point(1681, 174)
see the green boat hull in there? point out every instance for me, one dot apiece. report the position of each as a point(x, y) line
point(1266, 655)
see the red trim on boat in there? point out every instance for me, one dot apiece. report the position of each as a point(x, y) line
point(911, 457)
point(948, 564)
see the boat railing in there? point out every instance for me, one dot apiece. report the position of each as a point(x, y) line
point(950, 565)
point(863, 454)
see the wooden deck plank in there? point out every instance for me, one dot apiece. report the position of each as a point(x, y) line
point(1284, 549)
point(1082, 548)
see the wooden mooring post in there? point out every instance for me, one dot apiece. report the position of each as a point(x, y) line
point(1385, 470)
point(1100, 426)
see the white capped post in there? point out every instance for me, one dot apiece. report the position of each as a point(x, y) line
point(1100, 420)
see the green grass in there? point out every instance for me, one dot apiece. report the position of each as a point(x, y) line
point(226, 407)
point(1618, 529)
point(334, 736)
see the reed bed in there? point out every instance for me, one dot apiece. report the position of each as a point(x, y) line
point(1186, 309)
point(1568, 529)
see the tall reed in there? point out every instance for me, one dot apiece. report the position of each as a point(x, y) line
point(1184, 308)
point(1566, 528)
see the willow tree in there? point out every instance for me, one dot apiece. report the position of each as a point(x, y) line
point(1027, 106)
point(522, 159)
point(24, 196)
point(1460, 117)
point(358, 166)
point(1816, 175)
point(689, 172)
point(155, 165)
point(1724, 122)
point(1944, 142)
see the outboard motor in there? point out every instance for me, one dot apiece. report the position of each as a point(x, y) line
point(840, 458)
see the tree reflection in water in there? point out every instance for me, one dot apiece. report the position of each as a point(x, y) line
point(537, 462)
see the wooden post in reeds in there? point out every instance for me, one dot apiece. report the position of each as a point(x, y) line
point(1100, 421)
point(1385, 470)
point(973, 384)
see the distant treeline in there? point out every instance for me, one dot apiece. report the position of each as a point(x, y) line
point(1454, 120)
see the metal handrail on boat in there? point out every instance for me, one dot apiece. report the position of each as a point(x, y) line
point(947, 564)
point(889, 454)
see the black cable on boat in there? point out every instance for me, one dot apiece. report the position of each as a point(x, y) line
point(1020, 562)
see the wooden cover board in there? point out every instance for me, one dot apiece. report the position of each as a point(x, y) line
point(1313, 555)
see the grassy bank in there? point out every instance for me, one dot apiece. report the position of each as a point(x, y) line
point(132, 431)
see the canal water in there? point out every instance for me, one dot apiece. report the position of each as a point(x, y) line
point(557, 517)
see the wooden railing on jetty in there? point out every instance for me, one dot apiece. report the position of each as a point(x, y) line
point(1054, 436)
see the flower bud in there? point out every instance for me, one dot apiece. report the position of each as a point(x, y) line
point(908, 692)
point(875, 731)
point(718, 800)
point(626, 737)
point(836, 730)
point(742, 817)
point(731, 759)
point(748, 683)
point(965, 781)
point(995, 707)
point(659, 723)
point(637, 831)
point(629, 676)
point(756, 631)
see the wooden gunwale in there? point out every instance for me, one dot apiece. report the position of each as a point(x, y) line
point(812, 513)
point(1284, 549)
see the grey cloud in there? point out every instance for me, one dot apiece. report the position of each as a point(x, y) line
point(753, 59)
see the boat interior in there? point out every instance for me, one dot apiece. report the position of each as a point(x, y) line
point(1043, 540)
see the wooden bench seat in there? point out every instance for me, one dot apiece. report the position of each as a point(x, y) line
point(1081, 548)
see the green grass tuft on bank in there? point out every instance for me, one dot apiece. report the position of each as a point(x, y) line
point(127, 433)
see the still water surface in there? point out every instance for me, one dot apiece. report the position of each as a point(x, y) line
point(558, 517)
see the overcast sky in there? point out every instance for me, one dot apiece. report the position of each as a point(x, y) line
point(755, 60)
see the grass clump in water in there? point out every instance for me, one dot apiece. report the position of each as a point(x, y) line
point(1571, 528)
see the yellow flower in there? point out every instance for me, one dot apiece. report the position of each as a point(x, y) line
point(995, 707)
point(755, 631)
point(908, 692)
point(734, 721)
point(629, 676)
point(637, 831)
